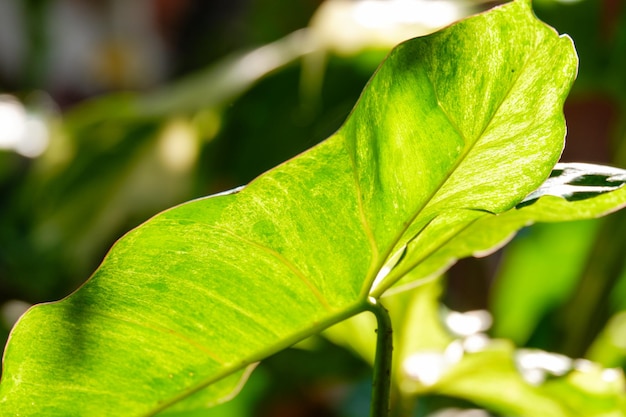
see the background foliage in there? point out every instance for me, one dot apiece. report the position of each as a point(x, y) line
point(107, 169)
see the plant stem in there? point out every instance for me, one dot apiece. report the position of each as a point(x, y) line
point(381, 386)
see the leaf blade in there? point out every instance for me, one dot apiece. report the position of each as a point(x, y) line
point(489, 232)
point(484, 164)
point(174, 295)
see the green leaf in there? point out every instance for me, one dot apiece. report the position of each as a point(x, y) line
point(483, 376)
point(488, 232)
point(609, 347)
point(529, 284)
point(453, 127)
point(429, 358)
point(578, 181)
point(476, 368)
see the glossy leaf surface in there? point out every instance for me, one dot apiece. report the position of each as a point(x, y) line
point(453, 126)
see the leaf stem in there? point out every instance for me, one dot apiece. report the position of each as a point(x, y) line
point(381, 386)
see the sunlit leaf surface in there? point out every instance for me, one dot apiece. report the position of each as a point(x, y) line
point(452, 128)
point(489, 232)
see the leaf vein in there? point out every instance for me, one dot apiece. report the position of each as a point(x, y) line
point(363, 218)
point(458, 161)
point(162, 329)
point(286, 262)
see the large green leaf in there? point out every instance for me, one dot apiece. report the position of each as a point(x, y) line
point(453, 126)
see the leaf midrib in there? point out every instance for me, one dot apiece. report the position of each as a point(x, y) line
point(395, 241)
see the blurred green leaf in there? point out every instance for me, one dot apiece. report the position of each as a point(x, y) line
point(491, 379)
point(609, 348)
point(529, 283)
point(430, 359)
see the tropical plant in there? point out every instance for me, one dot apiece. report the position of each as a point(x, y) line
point(452, 148)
